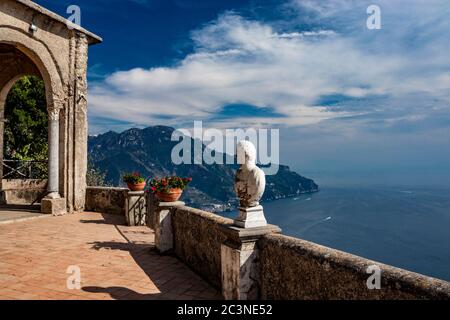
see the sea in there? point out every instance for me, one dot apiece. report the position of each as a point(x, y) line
point(404, 227)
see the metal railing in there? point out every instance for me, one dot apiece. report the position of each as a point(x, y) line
point(24, 169)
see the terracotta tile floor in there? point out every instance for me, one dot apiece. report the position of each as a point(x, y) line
point(115, 261)
point(15, 213)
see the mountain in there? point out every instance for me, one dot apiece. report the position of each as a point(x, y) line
point(148, 151)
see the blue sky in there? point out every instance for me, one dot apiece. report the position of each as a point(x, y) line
point(374, 104)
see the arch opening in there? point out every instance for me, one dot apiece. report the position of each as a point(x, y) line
point(23, 130)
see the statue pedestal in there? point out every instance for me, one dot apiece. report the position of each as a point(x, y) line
point(240, 261)
point(252, 217)
point(160, 220)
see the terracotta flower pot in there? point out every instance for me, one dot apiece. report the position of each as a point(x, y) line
point(172, 196)
point(136, 187)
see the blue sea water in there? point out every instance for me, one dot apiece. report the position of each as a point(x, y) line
point(404, 227)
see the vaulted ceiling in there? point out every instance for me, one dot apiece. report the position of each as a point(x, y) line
point(13, 63)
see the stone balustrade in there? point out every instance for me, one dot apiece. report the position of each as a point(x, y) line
point(285, 268)
point(297, 269)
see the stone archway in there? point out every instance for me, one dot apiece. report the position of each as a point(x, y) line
point(36, 41)
point(17, 61)
point(17, 185)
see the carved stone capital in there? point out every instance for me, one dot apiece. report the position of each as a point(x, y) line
point(54, 109)
point(53, 114)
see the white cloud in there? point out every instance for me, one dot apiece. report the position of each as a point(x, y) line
point(327, 8)
point(242, 61)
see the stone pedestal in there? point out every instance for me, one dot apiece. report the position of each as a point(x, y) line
point(163, 225)
point(136, 208)
point(239, 259)
point(53, 206)
point(152, 205)
point(252, 217)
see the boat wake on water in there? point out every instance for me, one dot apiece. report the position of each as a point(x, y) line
point(315, 224)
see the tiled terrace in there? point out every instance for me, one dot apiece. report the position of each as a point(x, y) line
point(16, 213)
point(116, 262)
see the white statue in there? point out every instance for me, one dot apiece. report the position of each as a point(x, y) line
point(249, 185)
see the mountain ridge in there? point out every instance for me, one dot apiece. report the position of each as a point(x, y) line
point(148, 151)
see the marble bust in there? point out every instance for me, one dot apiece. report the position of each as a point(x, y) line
point(250, 184)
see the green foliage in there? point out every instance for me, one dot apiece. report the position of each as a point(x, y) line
point(133, 178)
point(165, 184)
point(94, 176)
point(26, 127)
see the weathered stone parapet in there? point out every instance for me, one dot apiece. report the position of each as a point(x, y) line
point(136, 208)
point(22, 191)
point(198, 240)
point(24, 184)
point(284, 267)
point(297, 270)
point(240, 261)
point(106, 200)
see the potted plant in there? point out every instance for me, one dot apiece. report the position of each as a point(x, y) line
point(169, 189)
point(134, 181)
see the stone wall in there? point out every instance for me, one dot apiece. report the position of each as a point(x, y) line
point(260, 263)
point(21, 191)
point(197, 241)
point(10, 184)
point(296, 269)
point(106, 200)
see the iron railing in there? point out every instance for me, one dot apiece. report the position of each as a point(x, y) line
point(24, 169)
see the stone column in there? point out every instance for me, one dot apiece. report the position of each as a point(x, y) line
point(2, 131)
point(53, 203)
point(53, 154)
point(240, 263)
point(80, 138)
point(160, 217)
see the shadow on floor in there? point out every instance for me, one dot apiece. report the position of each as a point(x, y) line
point(170, 276)
point(111, 219)
point(12, 213)
point(122, 293)
point(20, 208)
